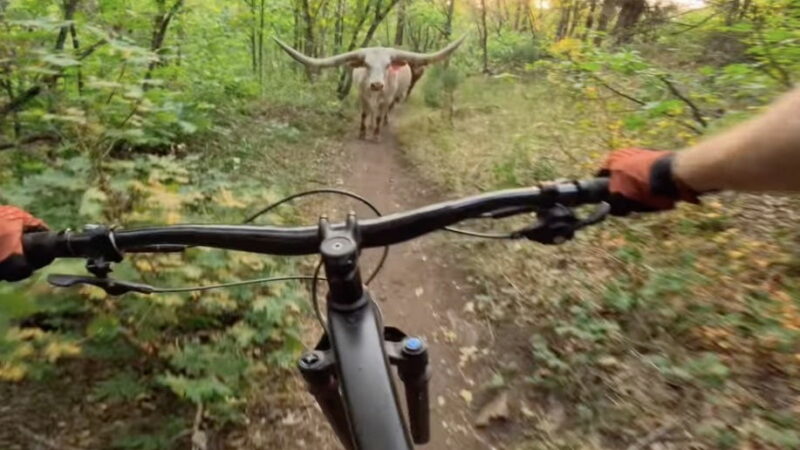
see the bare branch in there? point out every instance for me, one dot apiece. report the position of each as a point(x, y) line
point(698, 116)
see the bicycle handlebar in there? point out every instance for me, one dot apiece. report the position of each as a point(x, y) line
point(376, 232)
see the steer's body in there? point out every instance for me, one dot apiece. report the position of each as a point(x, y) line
point(383, 76)
point(376, 105)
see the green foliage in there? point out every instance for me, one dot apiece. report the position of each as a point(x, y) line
point(161, 438)
point(121, 387)
point(211, 347)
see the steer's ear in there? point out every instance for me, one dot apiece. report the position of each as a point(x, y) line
point(356, 64)
point(398, 64)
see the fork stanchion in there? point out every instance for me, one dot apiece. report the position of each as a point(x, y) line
point(415, 373)
point(318, 370)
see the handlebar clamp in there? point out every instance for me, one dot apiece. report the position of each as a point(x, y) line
point(101, 238)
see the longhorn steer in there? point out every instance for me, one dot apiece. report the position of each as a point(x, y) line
point(376, 105)
point(380, 70)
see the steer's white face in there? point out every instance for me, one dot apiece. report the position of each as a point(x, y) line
point(377, 62)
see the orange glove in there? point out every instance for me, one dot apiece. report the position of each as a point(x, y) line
point(13, 223)
point(641, 180)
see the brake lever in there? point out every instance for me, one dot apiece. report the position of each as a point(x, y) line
point(109, 285)
point(559, 223)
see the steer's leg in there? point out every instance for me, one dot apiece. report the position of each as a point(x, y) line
point(378, 119)
point(386, 115)
point(362, 134)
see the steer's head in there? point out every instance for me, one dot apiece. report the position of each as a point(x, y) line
point(376, 60)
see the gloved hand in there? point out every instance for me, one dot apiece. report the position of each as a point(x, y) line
point(642, 181)
point(13, 223)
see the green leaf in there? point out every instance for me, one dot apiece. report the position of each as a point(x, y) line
point(666, 107)
point(187, 127)
point(634, 122)
point(590, 66)
point(124, 386)
point(198, 390)
point(60, 60)
point(104, 327)
point(92, 203)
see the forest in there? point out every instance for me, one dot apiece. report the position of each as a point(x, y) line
point(678, 330)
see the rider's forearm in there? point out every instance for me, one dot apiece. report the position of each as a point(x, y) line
point(762, 154)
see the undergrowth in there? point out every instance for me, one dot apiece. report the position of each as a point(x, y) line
point(686, 320)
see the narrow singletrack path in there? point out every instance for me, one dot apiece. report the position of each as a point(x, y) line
point(419, 290)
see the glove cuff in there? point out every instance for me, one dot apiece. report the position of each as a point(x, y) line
point(663, 183)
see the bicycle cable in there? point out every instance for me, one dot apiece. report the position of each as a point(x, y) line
point(315, 279)
point(209, 287)
point(479, 234)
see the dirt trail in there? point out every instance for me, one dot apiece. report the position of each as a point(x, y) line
point(417, 290)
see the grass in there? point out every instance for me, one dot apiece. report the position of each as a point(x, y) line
point(686, 322)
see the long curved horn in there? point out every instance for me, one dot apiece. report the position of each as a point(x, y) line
point(426, 58)
point(332, 61)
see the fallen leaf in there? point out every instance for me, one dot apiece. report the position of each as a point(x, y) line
point(466, 395)
point(527, 411)
point(496, 409)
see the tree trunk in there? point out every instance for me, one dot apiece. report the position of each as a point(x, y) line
point(69, 7)
point(345, 79)
point(589, 19)
point(338, 28)
point(629, 16)
point(563, 20)
point(604, 21)
point(529, 15)
point(732, 11)
point(448, 24)
point(160, 27)
point(308, 29)
point(575, 17)
point(261, 14)
point(76, 46)
point(400, 28)
point(484, 34)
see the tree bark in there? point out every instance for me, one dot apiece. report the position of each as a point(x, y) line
point(338, 29)
point(529, 15)
point(160, 27)
point(563, 20)
point(76, 46)
point(575, 17)
point(400, 28)
point(484, 38)
point(448, 24)
point(589, 19)
point(69, 7)
point(607, 13)
point(629, 16)
point(345, 79)
point(261, 14)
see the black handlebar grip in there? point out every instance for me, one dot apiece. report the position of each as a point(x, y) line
point(41, 247)
point(415, 373)
point(594, 190)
